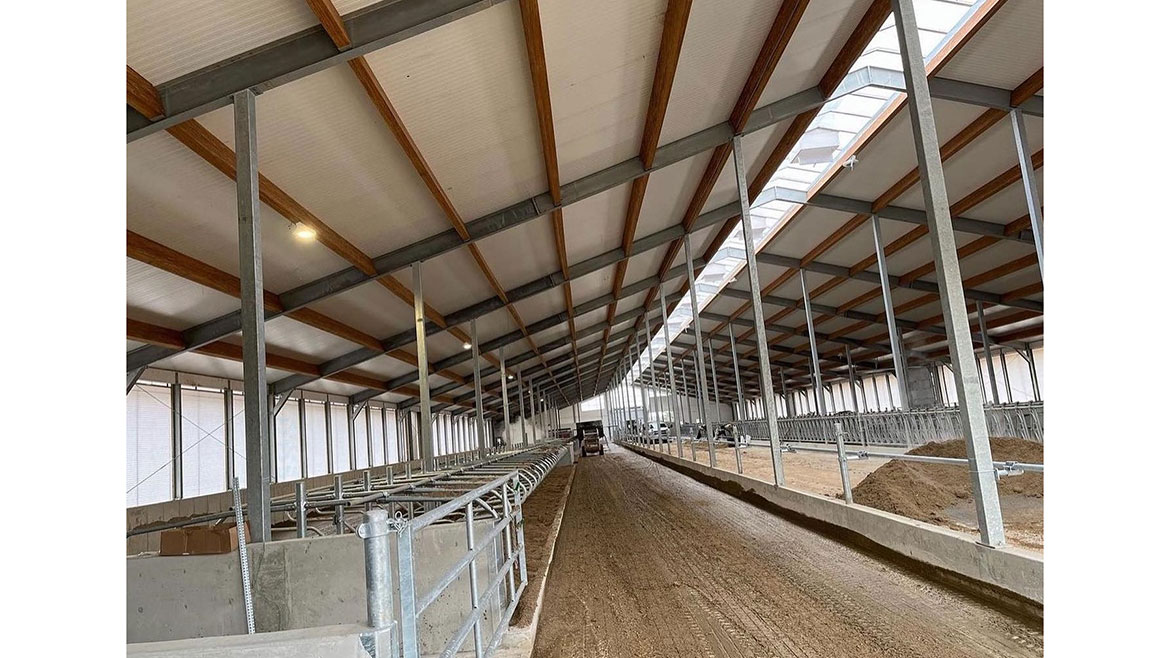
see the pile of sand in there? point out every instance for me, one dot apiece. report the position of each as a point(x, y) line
point(923, 491)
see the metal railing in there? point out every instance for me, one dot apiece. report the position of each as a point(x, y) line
point(497, 502)
point(908, 429)
point(354, 496)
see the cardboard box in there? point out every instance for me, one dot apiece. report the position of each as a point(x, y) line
point(202, 540)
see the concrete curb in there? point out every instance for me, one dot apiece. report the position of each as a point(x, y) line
point(520, 641)
point(1010, 577)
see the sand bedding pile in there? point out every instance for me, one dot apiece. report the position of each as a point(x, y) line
point(924, 491)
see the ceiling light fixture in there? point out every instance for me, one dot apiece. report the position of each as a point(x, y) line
point(511, 377)
point(304, 233)
point(466, 346)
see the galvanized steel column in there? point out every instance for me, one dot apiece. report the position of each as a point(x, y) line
point(735, 367)
point(765, 362)
point(504, 390)
point(987, 353)
point(480, 438)
point(1031, 189)
point(812, 344)
point(424, 387)
point(888, 305)
point(950, 280)
point(701, 368)
point(252, 318)
point(520, 402)
point(676, 410)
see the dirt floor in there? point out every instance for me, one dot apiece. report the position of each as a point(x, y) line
point(941, 494)
point(541, 510)
point(652, 563)
point(816, 473)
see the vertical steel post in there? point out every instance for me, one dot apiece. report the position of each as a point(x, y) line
point(229, 435)
point(853, 391)
point(1007, 384)
point(504, 390)
point(375, 534)
point(987, 353)
point(950, 281)
point(302, 512)
point(520, 402)
point(888, 305)
point(304, 438)
point(252, 318)
point(481, 439)
point(812, 344)
point(177, 439)
point(1031, 189)
point(700, 366)
point(765, 363)
point(1032, 371)
point(843, 462)
point(426, 447)
point(675, 410)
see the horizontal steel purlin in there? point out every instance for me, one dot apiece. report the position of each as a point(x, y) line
point(513, 216)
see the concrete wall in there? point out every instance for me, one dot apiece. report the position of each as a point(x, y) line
point(296, 584)
point(944, 552)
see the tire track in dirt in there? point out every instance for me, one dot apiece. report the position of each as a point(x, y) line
point(651, 563)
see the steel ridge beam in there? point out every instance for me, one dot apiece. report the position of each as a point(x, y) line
point(296, 56)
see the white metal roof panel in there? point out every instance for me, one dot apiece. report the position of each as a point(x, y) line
point(599, 100)
point(668, 193)
point(464, 93)
point(370, 308)
point(167, 39)
point(176, 198)
point(713, 67)
point(522, 253)
point(159, 297)
point(450, 281)
point(322, 141)
point(1008, 49)
point(594, 225)
point(822, 31)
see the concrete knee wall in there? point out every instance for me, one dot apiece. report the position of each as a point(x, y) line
point(299, 584)
point(1012, 577)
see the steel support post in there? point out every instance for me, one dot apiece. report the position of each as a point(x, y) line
point(653, 383)
point(700, 366)
point(1007, 384)
point(520, 403)
point(987, 353)
point(812, 344)
point(480, 437)
point(229, 435)
point(714, 382)
point(1031, 189)
point(426, 447)
point(1032, 371)
point(765, 363)
point(950, 281)
point(676, 410)
point(304, 436)
point(176, 439)
point(642, 388)
point(888, 305)
point(252, 318)
point(504, 392)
